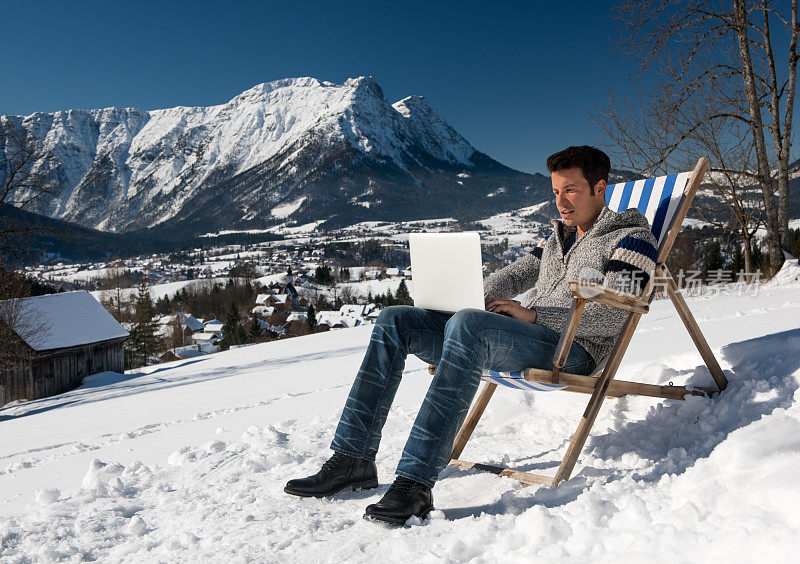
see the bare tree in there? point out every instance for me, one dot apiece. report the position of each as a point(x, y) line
point(778, 92)
point(113, 297)
point(24, 182)
point(177, 338)
point(19, 322)
point(735, 205)
point(716, 64)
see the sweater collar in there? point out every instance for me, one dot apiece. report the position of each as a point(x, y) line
point(563, 230)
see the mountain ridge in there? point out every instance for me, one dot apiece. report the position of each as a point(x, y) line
point(339, 152)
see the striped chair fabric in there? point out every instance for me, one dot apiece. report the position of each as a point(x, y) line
point(515, 380)
point(658, 200)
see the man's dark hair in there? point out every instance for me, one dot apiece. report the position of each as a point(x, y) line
point(594, 163)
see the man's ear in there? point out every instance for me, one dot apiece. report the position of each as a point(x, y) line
point(600, 188)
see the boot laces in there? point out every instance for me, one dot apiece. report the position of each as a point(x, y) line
point(404, 486)
point(332, 462)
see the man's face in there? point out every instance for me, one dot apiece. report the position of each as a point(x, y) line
point(576, 204)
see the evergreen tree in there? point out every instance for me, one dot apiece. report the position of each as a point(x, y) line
point(232, 332)
point(403, 297)
point(254, 333)
point(737, 264)
point(311, 316)
point(322, 274)
point(713, 259)
point(163, 305)
point(177, 337)
point(793, 242)
point(144, 341)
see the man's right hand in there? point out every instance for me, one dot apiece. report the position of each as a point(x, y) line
point(511, 308)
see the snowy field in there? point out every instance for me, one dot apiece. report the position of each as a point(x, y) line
point(157, 291)
point(187, 461)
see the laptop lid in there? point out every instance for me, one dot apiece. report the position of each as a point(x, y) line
point(446, 271)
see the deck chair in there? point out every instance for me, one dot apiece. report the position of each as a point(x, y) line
point(664, 200)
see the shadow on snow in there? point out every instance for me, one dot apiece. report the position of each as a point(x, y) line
point(674, 434)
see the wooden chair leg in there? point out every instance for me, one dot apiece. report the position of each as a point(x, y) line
point(694, 330)
point(472, 419)
point(595, 402)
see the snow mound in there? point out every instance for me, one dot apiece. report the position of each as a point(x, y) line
point(789, 272)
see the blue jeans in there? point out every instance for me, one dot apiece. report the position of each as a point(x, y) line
point(462, 345)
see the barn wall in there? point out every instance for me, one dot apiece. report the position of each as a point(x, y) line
point(59, 371)
point(16, 381)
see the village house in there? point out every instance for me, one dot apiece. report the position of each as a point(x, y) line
point(351, 309)
point(190, 322)
point(280, 302)
point(357, 310)
point(211, 333)
point(64, 338)
point(206, 337)
point(265, 325)
point(188, 351)
point(344, 322)
point(296, 324)
point(337, 320)
point(187, 322)
point(323, 325)
point(274, 317)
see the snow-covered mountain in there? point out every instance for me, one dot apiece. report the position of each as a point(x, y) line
point(290, 150)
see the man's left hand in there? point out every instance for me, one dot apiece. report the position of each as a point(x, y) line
point(512, 309)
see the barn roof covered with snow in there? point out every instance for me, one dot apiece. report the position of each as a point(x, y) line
point(68, 319)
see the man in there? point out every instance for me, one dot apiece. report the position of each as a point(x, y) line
point(614, 248)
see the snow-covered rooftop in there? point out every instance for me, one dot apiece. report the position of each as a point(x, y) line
point(69, 319)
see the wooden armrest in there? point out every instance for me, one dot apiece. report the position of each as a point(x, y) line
point(594, 292)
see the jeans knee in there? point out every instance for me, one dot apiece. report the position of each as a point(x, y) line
point(464, 320)
point(392, 314)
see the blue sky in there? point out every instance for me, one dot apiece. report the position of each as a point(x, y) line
point(517, 79)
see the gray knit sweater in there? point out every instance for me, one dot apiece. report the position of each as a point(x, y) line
point(617, 251)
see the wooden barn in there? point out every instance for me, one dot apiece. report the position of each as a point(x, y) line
point(76, 337)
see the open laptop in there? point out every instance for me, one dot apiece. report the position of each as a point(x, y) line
point(446, 270)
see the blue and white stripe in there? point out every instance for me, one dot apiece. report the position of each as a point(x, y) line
point(517, 381)
point(657, 198)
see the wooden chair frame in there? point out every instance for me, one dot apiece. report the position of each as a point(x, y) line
point(601, 382)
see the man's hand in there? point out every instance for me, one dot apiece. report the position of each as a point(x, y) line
point(512, 309)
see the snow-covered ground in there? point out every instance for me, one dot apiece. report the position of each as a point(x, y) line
point(157, 291)
point(187, 461)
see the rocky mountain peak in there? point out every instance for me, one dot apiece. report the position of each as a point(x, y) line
point(289, 149)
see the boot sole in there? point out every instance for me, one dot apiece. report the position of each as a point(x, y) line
point(397, 521)
point(365, 485)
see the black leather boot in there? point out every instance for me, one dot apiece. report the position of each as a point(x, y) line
point(339, 473)
point(405, 498)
